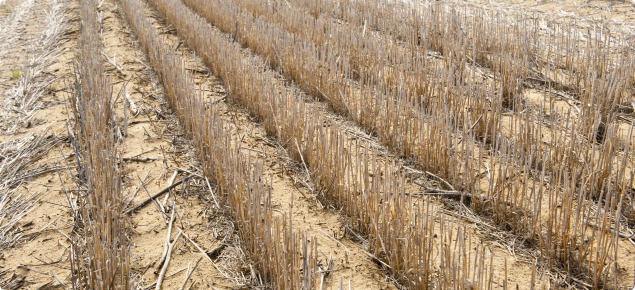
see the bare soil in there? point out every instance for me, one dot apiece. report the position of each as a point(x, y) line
point(158, 153)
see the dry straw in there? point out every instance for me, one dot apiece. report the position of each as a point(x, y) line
point(433, 110)
point(348, 174)
point(287, 259)
point(100, 254)
point(22, 101)
point(16, 165)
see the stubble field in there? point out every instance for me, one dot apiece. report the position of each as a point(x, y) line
point(317, 144)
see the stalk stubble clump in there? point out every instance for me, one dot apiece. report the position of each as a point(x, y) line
point(285, 258)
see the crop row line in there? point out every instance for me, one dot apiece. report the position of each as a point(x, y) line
point(100, 257)
point(429, 132)
point(286, 258)
point(399, 232)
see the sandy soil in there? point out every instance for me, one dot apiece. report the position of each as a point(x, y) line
point(158, 154)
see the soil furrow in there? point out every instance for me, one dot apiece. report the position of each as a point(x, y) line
point(540, 195)
point(156, 153)
point(308, 105)
point(287, 192)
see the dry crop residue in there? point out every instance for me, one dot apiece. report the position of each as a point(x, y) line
point(37, 166)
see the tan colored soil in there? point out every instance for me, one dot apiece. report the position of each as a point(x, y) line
point(42, 256)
